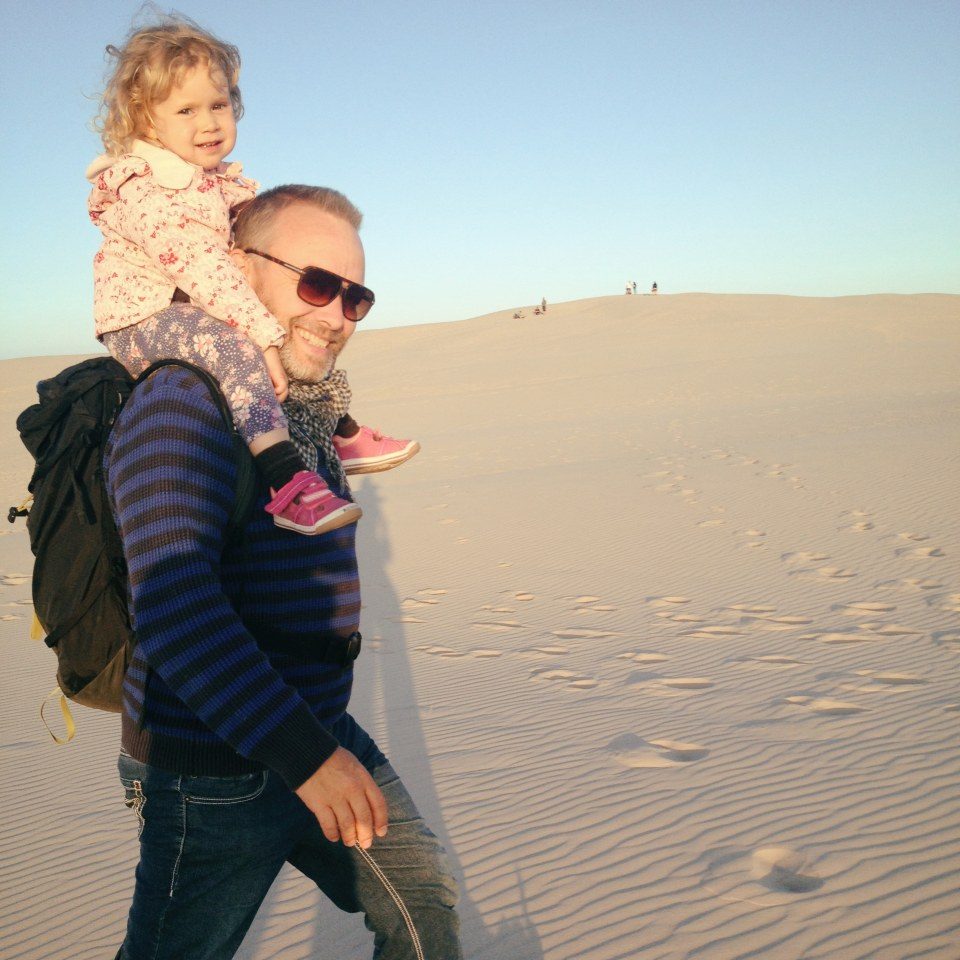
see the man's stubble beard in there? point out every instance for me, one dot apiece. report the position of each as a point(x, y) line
point(305, 371)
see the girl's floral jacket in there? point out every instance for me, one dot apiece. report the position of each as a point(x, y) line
point(166, 224)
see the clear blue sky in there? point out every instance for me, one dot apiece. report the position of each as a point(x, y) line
point(504, 151)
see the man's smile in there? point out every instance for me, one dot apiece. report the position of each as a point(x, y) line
point(314, 339)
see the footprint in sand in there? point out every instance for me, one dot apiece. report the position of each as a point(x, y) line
point(836, 573)
point(639, 754)
point(858, 608)
point(750, 608)
point(782, 624)
point(550, 651)
point(570, 679)
point(804, 557)
point(523, 597)
point(644, 657)
point(486, 654)
point(574, 634)
point(890, 630)
point(926, 553)
point(846, 636)
point(782, 868)
point(667, 601)
point(916, 537)
point(891, 679)
point(715, 522)
point(953, 603)
point(826, 706)
point(773, 660)
point(437, 651)
point(920, 553)
point(15, 579)
point(765, 877)
point(679, 617)
point(713, 633)
point(861, 521)
point(754, 538)
point(665, 753)
point(949, 640)
point(10, 616)
point(409, 602)
point(496, 626)
point(667, 488)
point(777, 469)
point(686, 683)
point(432, 592)
point(913, 583)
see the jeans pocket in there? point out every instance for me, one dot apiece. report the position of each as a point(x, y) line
point(400, 805)
point(220, 791)
point(134, 799)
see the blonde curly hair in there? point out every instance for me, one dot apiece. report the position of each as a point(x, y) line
point(150, 63)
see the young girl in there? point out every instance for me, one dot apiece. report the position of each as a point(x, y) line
point(164, 285)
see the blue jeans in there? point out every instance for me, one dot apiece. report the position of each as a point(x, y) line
point(210, 847)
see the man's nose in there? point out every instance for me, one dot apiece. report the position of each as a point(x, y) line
point(330, 315)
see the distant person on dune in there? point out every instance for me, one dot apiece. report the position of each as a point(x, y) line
point(653, 289)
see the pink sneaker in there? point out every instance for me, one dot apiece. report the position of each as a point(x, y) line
point(306, 504)
point(369, 451)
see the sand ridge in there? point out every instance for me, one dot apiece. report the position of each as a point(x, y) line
point(661, 629)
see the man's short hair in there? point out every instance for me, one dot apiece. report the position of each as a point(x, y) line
point(254, 225)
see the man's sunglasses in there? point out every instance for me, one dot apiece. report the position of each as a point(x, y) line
point(318, 287)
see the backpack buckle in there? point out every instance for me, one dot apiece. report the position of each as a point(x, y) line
point(352, 649)
point(22, 511)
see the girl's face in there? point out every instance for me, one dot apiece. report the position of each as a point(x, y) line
point(196, 120)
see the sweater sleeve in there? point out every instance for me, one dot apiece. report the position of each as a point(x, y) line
point(176, 235)
point(171, 474)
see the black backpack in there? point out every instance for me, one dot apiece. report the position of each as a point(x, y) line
point(79, 574)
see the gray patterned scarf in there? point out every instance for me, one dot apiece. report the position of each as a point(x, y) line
point(313, 411)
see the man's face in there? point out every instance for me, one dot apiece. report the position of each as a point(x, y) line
point(306, 237)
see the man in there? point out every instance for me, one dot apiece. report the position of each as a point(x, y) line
point(237, 751)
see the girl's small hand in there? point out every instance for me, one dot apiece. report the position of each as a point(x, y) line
point(277, 374)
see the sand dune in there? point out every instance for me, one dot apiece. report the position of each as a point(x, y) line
point(662, 628)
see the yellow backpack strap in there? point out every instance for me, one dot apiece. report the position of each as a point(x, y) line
point(36, 628)
point(69, 725)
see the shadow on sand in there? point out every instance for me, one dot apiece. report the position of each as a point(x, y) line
point(387, 690)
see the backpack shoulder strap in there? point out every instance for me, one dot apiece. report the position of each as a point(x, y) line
point(246, 489)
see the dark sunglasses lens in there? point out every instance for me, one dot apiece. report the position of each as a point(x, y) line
point(318, 287)
point(357, 301)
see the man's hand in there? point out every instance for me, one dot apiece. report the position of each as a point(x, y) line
point(345, 800)
point(277, 374)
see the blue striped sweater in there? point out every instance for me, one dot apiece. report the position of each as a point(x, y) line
point(215, 688)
